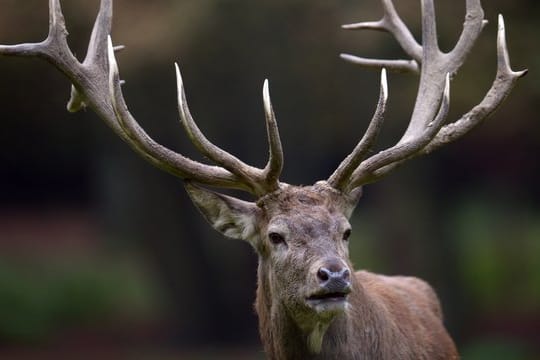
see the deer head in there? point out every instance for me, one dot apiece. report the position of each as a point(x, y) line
point(299, 233)
point(301, 236)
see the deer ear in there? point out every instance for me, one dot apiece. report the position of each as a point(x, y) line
point(351, 200)
point(232, 217)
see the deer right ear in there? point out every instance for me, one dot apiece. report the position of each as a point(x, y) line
point(351, 200)
point(232, 217)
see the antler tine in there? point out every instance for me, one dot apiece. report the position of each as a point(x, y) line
point(257, 179)
point(273, 168)
point(398, 66)
point(340, 177)
point(503, 58)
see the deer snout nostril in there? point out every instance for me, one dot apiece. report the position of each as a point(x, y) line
point(345, 274)
point(324, 274)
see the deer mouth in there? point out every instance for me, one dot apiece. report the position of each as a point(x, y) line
point(328, 296)
point(328, 301)
point(325, 299)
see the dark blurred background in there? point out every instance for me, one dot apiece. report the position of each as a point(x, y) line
point(103, 255)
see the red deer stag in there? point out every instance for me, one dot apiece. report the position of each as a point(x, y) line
point(310, 303)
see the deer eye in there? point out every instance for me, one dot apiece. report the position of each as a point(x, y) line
point(276, 238)
point(346, 234)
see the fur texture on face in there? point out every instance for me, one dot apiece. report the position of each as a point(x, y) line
point(312, 225)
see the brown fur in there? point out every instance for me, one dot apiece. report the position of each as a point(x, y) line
point(390, 318)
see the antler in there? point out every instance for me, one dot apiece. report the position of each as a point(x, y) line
point(425, 131)
point(96, 84)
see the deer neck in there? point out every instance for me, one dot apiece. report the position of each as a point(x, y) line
point(351, 335)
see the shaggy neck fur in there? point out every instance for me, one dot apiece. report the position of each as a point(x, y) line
point(356, 334)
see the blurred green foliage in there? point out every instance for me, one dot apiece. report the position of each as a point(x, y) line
point(497, 349)
point(499, 254)
point(37, 299)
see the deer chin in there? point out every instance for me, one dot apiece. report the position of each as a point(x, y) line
point(324, 307)
point(331, 303)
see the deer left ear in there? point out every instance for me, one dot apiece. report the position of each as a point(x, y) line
point(232, 217)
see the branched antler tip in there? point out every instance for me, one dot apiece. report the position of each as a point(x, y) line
point(501, 22)
point(447, 87)
point(179, 81)
point(354, 26)
point(370, 25)
point(180, 90)
point(384, 84)
point(347, 57)
point(266, 92)
point(266, 97)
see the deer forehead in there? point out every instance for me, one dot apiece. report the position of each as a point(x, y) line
point(292, 197)
point(304, 211)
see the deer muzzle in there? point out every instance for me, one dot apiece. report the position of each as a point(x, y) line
point(334, 285)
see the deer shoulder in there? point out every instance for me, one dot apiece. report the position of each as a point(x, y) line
point(413, 309)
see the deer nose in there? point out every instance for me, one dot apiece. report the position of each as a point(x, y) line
point(334, 276)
